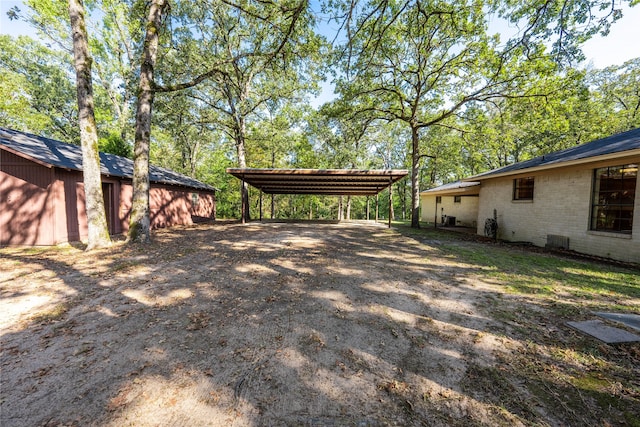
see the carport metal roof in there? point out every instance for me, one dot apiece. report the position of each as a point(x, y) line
point(327, 182)
point(330, 182)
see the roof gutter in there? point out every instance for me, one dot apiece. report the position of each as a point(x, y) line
point(627, 155)
point(465, 190)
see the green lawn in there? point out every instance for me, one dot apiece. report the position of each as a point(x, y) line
point(578, 376)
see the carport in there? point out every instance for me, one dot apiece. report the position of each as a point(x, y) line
point(325, 182)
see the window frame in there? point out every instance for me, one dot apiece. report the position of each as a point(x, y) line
point(522, 187)
point(457, 199)
point(612, 207)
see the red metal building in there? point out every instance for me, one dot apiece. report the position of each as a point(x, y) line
point(42, 192)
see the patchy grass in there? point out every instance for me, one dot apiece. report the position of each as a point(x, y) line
point(577, 379)
point(532, 272)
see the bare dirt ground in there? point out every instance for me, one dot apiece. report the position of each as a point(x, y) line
point(261, 324)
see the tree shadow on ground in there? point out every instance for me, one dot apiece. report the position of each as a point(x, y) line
point(263, 324)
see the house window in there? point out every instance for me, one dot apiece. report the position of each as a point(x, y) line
point(195, 199)
point(523, 188)
point(457, 199)
point(614, 190)
point(438, 199)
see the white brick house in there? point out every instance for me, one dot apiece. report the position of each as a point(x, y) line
point(585, 198)
point(451, 204)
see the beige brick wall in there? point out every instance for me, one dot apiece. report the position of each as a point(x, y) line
point(466, 212)
point(561, 206)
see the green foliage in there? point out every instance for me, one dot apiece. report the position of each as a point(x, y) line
point(114, 144)
point(421, 63)
point(567, 23)
point(616, 94)
point(423, 85)
point(38, 90)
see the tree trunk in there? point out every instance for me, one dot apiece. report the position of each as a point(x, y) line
point(139, 226)
point(415, 170)
point(242, 163)
point(193, 161)
point(94, 200)
point(402, 191)
point(273, 165)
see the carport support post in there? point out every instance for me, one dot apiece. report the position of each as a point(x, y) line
point(260, 205)
point(242, 207)
point(367, 208)
point(377, 194)
point(390, 200)
point(273, 215)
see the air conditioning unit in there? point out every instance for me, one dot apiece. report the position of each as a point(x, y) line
point(557, 242)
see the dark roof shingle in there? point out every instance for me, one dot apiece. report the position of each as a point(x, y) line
point(618, 143)
point(69, 156)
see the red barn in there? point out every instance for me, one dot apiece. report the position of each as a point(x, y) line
point(42, 192)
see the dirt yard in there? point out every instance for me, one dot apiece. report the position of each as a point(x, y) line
point(304, 324)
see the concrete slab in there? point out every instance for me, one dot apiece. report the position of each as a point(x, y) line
point(597, 329)
point(630, 320)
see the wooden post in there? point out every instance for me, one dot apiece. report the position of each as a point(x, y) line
point(242, 206)
point(367, 208)
point(260, 205)
point(377, 205)
point(272, 206)
point(390, 200)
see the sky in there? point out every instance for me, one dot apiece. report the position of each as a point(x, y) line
point(621, 45)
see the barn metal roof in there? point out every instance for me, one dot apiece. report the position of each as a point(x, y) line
point(330, 182)
point(50, 152)
point(619, 145)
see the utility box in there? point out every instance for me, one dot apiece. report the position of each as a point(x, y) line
point(557, 242)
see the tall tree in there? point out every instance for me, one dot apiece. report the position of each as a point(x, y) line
point(422, 61)
point(50, 18)
point(567, 24)
point(117, 32)
point(37, 91)
point(219, 58)
point(342, 136)
point(139, 226)
point(616, 90)
point(94, 201)
point(262, 53)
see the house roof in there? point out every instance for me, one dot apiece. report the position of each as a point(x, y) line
point(624, 144)
point(457, 187)
point(52, 153)
point(330, 182)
